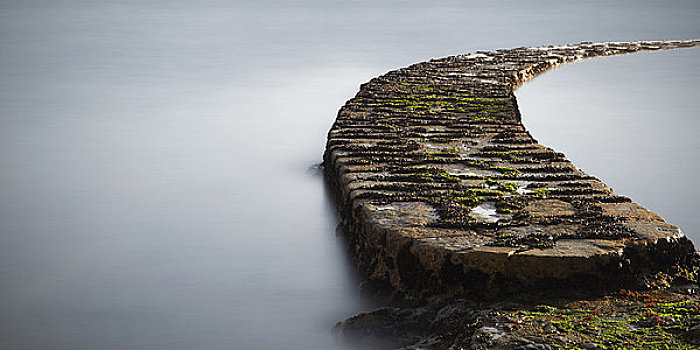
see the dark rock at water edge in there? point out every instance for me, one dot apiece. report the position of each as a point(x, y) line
point(444, 195)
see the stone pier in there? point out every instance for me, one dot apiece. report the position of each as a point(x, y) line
point(444, 192)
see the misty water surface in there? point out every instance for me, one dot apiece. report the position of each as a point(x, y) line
point(157, 157)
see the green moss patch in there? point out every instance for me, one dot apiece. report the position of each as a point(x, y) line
point(626, 320)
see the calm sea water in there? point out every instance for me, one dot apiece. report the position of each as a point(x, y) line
point(158, 183)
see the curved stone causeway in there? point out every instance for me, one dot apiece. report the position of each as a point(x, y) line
point(443, 191)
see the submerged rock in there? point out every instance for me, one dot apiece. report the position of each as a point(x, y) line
point(658, 319)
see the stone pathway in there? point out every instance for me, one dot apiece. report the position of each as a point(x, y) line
point(443, 191)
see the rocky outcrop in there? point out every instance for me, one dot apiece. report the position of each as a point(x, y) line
point(658, 319)
point(443, 192)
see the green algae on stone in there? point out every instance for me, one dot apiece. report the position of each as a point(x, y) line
point(448, 134)
point(629, 320)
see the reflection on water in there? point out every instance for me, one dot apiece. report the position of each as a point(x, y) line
point(155, 186)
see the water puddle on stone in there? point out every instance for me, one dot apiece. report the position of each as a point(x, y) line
point(486, 212)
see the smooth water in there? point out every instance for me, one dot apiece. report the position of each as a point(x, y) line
point(157, 157)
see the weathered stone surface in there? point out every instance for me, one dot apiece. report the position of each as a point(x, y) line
point(693, 334)
point(658, 319)
point(444, 192)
